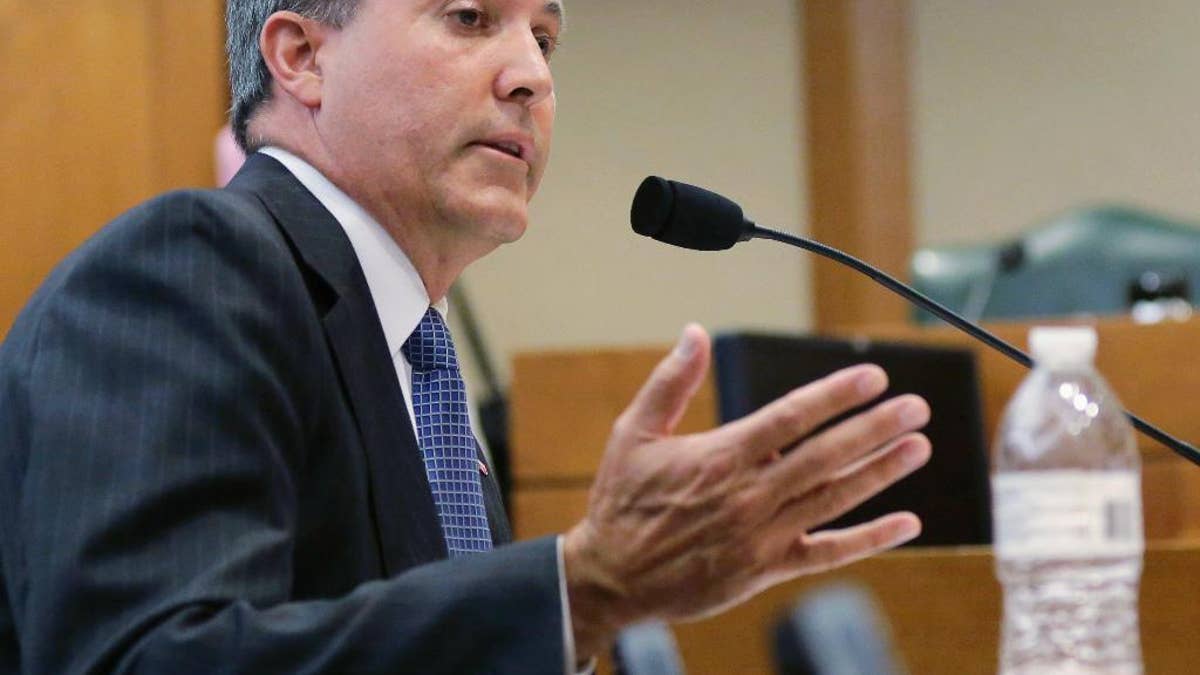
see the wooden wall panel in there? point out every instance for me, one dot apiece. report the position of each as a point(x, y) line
point(856, 56)
point(543, 510)
point(547, 448)
point(72, 131)
point(106, 103)
point(190, 91)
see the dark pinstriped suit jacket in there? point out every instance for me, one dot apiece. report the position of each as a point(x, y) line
point(206, 465)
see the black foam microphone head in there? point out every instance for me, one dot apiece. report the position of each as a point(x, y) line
point(685, 215)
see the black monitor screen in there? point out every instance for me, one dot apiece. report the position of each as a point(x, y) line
point(951, 493)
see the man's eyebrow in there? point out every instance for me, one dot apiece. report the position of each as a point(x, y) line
point(555, 9)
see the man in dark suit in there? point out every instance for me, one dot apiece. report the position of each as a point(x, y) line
point(212, 448)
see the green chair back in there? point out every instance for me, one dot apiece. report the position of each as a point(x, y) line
point(1084, 262)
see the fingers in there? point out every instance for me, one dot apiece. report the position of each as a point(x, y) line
point(662, 400)
point(780, 423)
point(819, 457)
point(823, 551)
point(845, 492)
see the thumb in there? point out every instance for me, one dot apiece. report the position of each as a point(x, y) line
point(662, 400)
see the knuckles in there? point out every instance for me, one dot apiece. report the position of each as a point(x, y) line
point(792, 420)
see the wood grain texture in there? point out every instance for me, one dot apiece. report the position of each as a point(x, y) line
point(856, 60)
point(107, 102)
point(190, 94)
point(541, 511)
point(590, 389)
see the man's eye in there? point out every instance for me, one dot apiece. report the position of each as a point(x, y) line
point(470, 18)
point(547, 44)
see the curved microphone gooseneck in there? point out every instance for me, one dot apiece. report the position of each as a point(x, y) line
point(691, 217)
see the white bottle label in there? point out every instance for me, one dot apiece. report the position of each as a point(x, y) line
point(1067, 514)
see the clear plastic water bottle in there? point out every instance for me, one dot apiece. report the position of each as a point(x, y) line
point(1066, 500)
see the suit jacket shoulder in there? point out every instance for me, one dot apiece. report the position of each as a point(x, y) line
point(188, 481)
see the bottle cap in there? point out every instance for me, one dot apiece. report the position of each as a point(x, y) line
point(1060, 346)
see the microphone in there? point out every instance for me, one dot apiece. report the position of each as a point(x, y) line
point(685, 215)
point(691, 217)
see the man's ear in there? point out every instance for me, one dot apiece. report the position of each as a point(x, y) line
point(289, 43)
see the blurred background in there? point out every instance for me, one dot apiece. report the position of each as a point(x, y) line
point(1014, 112)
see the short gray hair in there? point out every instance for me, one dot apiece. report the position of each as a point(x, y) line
point(249, 79)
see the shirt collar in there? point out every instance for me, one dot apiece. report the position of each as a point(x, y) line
point(396, 288)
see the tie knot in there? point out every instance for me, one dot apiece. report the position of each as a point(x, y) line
point(430, 347)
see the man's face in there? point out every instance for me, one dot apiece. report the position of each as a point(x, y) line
point(438, 113)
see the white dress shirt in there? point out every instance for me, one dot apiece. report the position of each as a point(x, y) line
point(400, 300)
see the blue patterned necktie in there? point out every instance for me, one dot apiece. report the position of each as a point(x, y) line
point(448, 445)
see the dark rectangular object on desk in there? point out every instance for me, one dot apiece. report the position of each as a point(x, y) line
point(951, 494)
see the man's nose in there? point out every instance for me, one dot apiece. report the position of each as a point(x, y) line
point(525, 76)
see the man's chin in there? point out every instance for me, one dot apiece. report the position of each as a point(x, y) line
point(501, 217)
point(509, 232)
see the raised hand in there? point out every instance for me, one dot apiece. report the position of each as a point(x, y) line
point(682, 527)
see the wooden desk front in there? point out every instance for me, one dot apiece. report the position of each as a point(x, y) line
point(943, 603)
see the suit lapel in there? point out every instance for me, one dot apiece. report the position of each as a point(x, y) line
point(493, 501)
point(405, 516)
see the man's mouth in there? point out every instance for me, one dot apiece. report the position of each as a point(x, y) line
point(513, 145)
point(507, 148)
